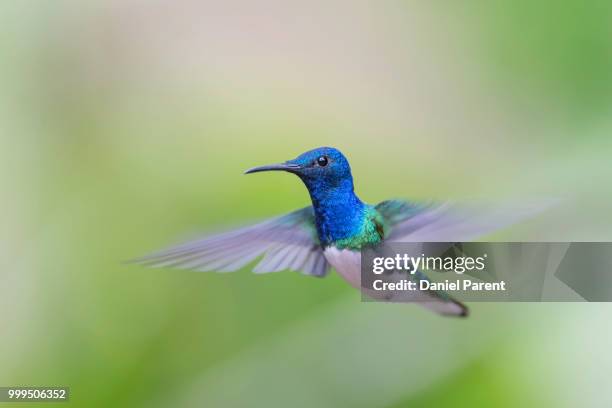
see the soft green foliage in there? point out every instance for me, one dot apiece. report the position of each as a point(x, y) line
point(126, 126)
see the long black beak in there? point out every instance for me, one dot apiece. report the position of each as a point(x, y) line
point(290, 167)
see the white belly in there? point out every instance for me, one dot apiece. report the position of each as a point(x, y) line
point(347, 263)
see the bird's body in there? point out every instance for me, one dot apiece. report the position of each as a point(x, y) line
point(334, 230)
point(347, 262)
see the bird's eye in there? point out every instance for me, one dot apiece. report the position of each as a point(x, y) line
point(322, 161)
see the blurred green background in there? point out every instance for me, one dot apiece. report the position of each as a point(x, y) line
point(125, 126)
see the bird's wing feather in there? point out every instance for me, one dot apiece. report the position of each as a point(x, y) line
point(288, 242)
point(446, 222)
point(449, 222)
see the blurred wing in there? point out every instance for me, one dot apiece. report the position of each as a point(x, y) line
point(448, 222)
point(288, 242)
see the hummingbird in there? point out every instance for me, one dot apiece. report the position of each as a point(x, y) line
point(332, 231)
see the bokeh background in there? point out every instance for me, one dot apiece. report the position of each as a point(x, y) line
point(125, 126)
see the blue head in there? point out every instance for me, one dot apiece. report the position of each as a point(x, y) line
point(327, 176)
point(324, 171)
point(323, 168)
